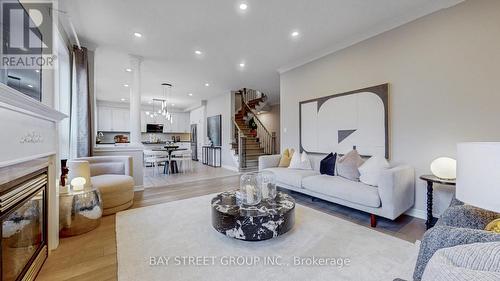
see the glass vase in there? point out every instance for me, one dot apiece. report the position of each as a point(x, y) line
point(250, 191)
point(267, 183)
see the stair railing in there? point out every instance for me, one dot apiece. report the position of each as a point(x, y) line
point(241, 140)
point(266, 139)
point(249, 95)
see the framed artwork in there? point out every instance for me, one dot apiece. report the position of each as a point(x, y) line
point(339, 122)
point(214, 129)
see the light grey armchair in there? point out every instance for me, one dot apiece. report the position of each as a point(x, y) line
point(111, 175)
point(459, 225)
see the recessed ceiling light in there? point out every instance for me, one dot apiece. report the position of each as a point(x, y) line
point(242, 64)
point(128, 69)
point(29, 85)
point(37, 70)
point(190, 94)
point(198, 52)
point(125, 85)
point(123, 99)
point(295, 34)
point(173, 104)
point(243, 6)
point(207, 85)
point(137, 34)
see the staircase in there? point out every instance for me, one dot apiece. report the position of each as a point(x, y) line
point(251, 138)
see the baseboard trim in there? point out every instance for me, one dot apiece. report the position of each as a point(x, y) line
point(417, 213)
point(231, 168)
point(139, 188)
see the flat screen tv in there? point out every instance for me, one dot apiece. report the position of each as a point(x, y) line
point(26, 80)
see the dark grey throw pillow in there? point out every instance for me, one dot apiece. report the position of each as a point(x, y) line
point(347, 166)
point(327, 165)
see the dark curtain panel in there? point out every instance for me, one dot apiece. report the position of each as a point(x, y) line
point(81, 103)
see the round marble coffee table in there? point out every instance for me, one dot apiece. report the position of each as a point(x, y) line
point(266, 220)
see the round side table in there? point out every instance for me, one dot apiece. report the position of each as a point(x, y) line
point(79, 211)
point(431, 180)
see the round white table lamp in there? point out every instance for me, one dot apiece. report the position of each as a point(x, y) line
point(444, 168)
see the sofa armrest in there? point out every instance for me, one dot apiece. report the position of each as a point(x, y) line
point(441, 236)
point(269, 161)
point(396, 189)
point(467, 216)
point(101, 165)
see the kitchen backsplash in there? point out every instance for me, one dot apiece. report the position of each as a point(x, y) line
point(108, 137)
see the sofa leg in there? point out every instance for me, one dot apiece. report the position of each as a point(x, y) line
point(373, 220)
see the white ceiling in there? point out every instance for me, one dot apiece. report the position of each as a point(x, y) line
point(172, 30)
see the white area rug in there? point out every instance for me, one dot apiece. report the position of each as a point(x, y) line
point(181, 231)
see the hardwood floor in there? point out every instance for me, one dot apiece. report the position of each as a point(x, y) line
point(92, 256)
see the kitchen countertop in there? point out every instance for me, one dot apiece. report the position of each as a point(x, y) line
point(119, 147)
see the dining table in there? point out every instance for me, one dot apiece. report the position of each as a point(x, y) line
point(171, 167)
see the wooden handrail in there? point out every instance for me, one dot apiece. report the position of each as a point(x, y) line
point(266, 139)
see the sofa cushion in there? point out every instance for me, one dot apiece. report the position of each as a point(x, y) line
point(115, 189)
point(291, 177)
point(339, 187)
point(300, 161)
point(347, 166)
point(371, 170)
point(327, 165)
point(286, 157)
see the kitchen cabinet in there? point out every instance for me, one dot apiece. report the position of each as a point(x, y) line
point(104, 119)
point(113, 119)
point(180, 123)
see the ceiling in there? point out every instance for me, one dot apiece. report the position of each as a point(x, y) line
point(260, 37)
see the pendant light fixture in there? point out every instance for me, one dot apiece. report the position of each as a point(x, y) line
point(167, 95)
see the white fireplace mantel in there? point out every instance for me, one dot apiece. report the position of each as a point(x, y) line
point(29, 131)
point(28, 127)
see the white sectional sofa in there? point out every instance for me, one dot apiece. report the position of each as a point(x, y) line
point(394, 195)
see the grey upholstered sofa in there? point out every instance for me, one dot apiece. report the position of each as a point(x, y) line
point(459, 225)
point(393, 196)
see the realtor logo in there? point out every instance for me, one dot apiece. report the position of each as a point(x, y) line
point(26, 34)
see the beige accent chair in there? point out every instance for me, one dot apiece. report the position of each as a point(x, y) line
point(111, 175)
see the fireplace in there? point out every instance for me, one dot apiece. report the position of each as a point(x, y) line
point(23, 212)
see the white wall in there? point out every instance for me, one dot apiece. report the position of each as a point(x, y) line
point(443, 71)
point(222, 105)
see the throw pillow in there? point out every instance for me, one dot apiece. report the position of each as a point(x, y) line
point(286, 157)
point(300, 161)
point(371, 170)
point(347, 166)
point(327, 165)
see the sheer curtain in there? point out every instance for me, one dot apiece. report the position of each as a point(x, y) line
point(63, 94)
point(81, 105)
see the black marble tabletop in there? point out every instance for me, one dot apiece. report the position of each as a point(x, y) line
point(268, 219)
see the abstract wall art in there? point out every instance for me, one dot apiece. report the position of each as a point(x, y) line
point(338, 122)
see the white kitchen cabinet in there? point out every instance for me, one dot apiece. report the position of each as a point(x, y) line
point(104, 119)
point(113, 119)
point(180, 123)
point(121, 120)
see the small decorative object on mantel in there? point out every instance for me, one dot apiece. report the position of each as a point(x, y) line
point(266, 180)
point(444, 168)
point(250, 191)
